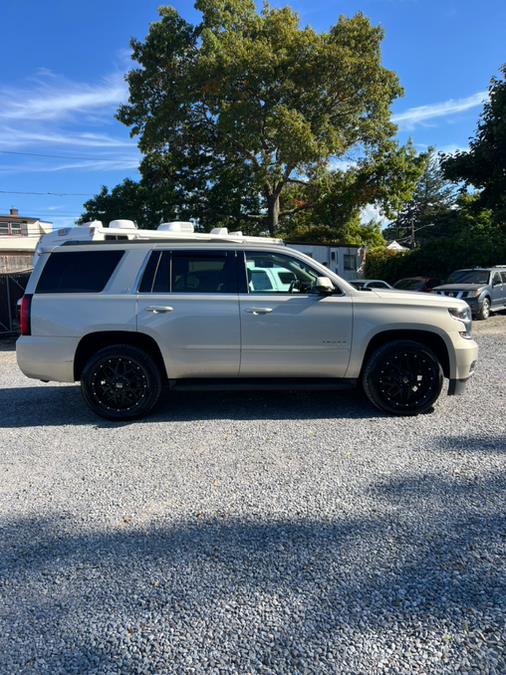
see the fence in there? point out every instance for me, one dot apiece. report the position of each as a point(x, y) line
point(12, 287)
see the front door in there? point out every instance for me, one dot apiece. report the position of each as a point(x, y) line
point(497, 291)
point(289, 329)
point(188, 302)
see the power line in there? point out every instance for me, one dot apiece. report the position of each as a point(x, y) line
point(44, 194)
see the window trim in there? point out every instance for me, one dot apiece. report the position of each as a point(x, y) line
point(225, 253)
point(253, 252)
point(64, 291)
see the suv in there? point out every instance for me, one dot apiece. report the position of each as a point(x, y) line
point(126, 317)
point(483, 288)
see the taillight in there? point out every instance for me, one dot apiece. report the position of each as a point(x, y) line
point(25, 319)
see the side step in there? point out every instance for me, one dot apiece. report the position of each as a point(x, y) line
point(263, 384)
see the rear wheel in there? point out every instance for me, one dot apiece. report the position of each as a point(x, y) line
point(403, 377)
point(121, 382)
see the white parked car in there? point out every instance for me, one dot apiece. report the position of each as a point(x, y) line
point(227, 311)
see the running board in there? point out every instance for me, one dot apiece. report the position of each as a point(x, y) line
point(263, 384)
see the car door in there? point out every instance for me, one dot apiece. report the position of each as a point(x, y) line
point(188, 302)
point(496, 291)
point(503, 277)
point(294, 331)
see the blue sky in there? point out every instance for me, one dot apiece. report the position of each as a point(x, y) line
point(61, 80)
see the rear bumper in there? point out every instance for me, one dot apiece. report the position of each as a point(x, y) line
point(47, 358)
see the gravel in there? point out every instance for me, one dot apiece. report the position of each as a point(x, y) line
point(254, 533)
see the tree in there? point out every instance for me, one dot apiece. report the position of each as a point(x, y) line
point(127, 200)
point(484, 164)
point(433, 197)
point(255, 90)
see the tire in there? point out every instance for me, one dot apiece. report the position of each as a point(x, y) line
point(403, 377)
point(484, 311)
point(121, 382)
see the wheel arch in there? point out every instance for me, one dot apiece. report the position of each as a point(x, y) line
point(431, 340)
point(92, 342)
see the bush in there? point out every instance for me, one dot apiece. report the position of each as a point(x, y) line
point(436, 258)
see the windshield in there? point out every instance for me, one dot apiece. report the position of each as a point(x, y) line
point(469, 277)
point(410, 284)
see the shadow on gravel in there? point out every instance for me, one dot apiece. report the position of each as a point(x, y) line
point(8, 344)
point(467, 444)
point(424, 571)
point(56, 405)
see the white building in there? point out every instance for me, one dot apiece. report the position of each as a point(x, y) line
point(347, 261)
point(18, 238)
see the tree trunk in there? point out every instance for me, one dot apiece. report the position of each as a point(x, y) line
point(273, 213)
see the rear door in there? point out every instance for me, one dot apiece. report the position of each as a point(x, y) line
point(291, 331)
point(188, 302)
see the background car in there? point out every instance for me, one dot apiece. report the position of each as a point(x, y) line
point(483, 288)
point(367, 284)
point(423, 284)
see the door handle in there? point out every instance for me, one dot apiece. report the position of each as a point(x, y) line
point(159, 309)
point(258, 310)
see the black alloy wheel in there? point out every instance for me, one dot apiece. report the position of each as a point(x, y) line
point(121, 382)
point(403, 377)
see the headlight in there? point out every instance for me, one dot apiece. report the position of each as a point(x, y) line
point(462, 314)
point(473, 294)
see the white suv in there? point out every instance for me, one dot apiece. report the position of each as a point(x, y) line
point(126, 317)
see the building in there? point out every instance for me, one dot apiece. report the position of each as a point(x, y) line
point(18, 238)
point(347, 261)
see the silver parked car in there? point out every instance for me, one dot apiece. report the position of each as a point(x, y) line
point(228, 311)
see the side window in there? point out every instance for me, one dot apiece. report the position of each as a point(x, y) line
point(278, 273)
point(146, 285)
point(496, 279)
point(503, 276)
point(350, 262)
point(78, 271)
point(195, 272)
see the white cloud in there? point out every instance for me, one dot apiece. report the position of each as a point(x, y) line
point(124, 163)
point(336, 164)
point(60, 125)
point(11, 138)
point(422, 114)
point(372, 212)
point(53, 98)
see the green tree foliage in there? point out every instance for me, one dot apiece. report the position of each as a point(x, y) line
point(431, 203)
point(255, 95)
point(474, 239)
point(334, 199)
point(484, 164)
point(127, 200)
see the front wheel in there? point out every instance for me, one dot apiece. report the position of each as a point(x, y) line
point(484, 311)
point(403, 377)
point(121, 382)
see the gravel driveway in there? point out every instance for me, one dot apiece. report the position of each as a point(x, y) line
point(254, 533)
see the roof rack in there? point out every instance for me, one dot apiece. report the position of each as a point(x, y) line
point(126, 230)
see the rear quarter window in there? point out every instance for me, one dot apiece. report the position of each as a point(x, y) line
point(78, 271)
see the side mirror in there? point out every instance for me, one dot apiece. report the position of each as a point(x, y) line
point(325, 286)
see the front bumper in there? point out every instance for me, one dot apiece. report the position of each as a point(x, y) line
point(466, 356)
point(457, 387)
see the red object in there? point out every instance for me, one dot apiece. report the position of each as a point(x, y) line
point(25, 319)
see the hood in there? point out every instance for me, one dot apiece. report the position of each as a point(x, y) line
point(459, 287)
point(418, 298)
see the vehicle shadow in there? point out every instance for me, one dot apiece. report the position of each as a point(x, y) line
point(467, 444)
point(423, 572)
point(8, 344)
point(55, 405)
